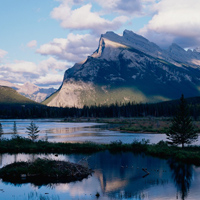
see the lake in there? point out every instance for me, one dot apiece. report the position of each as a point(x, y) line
point(57, 131)
point(116, 176)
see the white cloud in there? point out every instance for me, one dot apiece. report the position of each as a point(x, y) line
point(74, 48)
point(53, 64)
point(22, 67)
point(83, 18)
point(19, 72)
point(32, 43)
point(71, 1)
point(52, 72)
point(122, 6)
point(177, 20)
point(49, 79)
point(3, 53)
point(47, 72)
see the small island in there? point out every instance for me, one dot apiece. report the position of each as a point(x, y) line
point(44, 171)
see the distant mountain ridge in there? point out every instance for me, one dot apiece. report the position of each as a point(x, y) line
point(9, 95)
point(30, 90)
point(130, 68)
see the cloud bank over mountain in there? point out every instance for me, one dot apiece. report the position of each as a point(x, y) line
point(174, 22)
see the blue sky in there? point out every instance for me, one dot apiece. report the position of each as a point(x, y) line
point(40, 39)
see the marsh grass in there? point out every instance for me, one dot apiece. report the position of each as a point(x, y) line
point(143, 125)
point(153, 125)
point(19, 144)
point(137, 124)
point(189, 154)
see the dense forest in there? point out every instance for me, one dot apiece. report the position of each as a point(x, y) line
point(131, 109)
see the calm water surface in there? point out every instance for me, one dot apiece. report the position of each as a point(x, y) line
point(115, 177)
point(57, 131)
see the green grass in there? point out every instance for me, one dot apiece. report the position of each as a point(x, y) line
point(189, 154)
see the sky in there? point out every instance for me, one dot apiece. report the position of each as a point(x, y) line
point(40, 39)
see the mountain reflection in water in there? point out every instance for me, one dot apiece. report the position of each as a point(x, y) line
point(116, 176)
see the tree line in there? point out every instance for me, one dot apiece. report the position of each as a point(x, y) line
point(130, 109)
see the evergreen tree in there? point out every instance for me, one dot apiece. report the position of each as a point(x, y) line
point(14, 129)
point(32, 131)
point(182, 130)
point(1, 130)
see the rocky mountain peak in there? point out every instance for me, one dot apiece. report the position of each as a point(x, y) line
point(180, 55)
point(130, 68)
point(128, 40)
point(110, 43)
point(109, 46)
point(134, 38)
point(197, 50)
point(28, 88)
point(175, 48)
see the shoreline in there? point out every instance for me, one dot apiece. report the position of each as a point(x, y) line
point(142, 131)
point(188, 154)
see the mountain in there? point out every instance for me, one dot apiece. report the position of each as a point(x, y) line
point(34, 92)
point(129, 68)
point(30, 90)
point(10, 96)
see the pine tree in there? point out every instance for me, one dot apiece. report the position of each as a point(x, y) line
point(1, 130)
point(32, 131)
point(182, 130)
point(14, 129)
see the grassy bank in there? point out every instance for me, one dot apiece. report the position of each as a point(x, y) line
point(135, 125)
point(162, 149)
point(144, 124)
point(147, 125)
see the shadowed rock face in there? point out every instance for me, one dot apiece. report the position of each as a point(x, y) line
point(130, 68)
